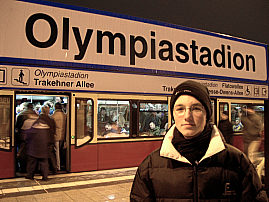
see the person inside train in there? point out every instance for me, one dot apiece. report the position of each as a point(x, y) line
point(151, 117)
point(194, 162)
point(153, 129)
point(37, 108)
point(149, 121)
point(60, 122)
point(164, 122)
point(226, 127)
point(120, 120)
point(238, 126)
point(125, 128)
point(50, 104)
point(24, 121)
point(103, 120)
point(111, 127)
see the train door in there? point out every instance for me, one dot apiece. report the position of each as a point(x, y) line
point(39, 100)
point(6, 134)
point(83, 141)
point(249, 115)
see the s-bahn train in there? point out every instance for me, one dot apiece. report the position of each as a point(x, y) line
point(106, 130)
point(113, 76)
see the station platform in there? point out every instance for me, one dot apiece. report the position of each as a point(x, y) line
point(106, 185)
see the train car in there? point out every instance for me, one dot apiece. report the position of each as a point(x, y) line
point(113, 76)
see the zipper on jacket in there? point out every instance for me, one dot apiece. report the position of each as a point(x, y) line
point(195, 182)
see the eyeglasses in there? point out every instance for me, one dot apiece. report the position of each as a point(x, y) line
point(196, 110)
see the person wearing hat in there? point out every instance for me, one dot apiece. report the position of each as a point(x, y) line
point(226, 127)
point(194, 163)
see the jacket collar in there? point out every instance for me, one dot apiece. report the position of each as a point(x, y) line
point(216, 145)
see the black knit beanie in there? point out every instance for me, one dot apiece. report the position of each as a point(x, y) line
point(195, 89)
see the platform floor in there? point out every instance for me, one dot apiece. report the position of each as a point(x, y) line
point(107, 185)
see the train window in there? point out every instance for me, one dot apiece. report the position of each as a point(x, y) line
point(113, 118)
point(84, 120)
point(223, 107)
point(236, 116)
point(240, 108)
point(153, 118)
point(5, 125)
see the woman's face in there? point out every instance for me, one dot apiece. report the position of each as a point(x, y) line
point(189, 115)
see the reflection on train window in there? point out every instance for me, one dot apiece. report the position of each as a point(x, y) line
point(238, 110)
point(153, 119)
point(236, 117)
point(5, 113)
point(113, 118)
point(84, 120)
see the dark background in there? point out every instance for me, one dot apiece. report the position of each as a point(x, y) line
point(246, 19)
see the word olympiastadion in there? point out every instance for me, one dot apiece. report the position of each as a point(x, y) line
point(139, 46)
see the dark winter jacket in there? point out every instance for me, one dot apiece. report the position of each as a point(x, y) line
point(37, 140)
point(224, 173)
point(52, 127)
point(24, 121)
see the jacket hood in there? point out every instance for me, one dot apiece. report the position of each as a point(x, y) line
point(27, 124)
point(168, 150)
point(28, 112)
point(40, 125)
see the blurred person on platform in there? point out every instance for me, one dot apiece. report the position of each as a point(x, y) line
point(24, 121)
point(44, 116)
point(252, 123)
point(37, 148)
